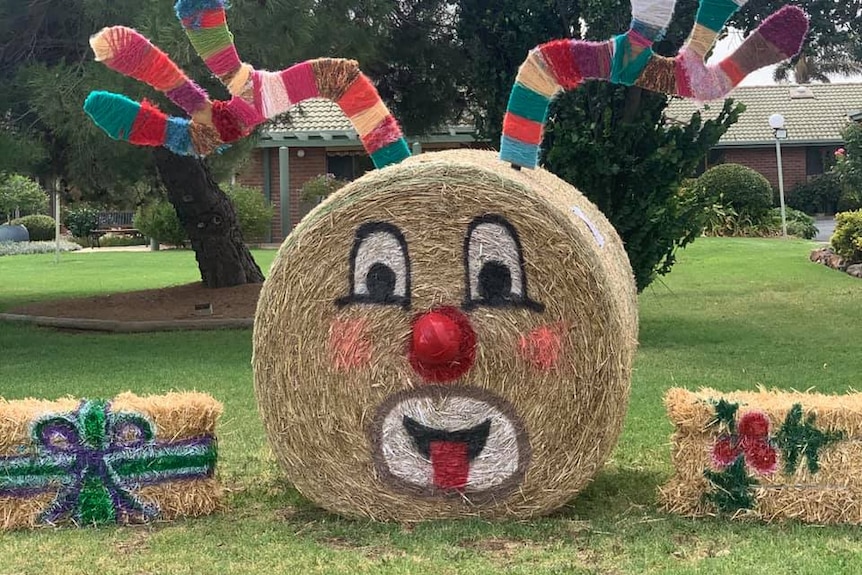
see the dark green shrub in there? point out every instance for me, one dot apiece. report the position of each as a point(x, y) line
point(848, 166)
point(82, 221)
point(850, 200)
point(739, 187)
point(41, 228)
point(847, 239)
point(820, 195)
point(159, 221)
point(630, 163)
point(252, 210)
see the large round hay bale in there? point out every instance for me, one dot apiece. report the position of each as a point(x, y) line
point(444, 337)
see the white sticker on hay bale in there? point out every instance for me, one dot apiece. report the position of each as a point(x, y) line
point(446, 337)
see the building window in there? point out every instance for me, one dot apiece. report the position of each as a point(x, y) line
point(348, 167)
point(818, 160)
point(712, 158)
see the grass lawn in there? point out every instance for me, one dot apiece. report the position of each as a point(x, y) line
point(734, 314)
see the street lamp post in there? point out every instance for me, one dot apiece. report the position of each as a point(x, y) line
point(776, 122)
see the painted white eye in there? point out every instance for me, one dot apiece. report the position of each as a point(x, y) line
point(379, 267)
point(494, 265)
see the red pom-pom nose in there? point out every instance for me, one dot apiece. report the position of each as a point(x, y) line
point(443, 344)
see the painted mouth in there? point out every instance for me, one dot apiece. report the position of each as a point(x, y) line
point(443, 441)
point(450, 452)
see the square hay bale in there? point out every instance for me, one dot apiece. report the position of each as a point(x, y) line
point(127, 460)
point(768, 455)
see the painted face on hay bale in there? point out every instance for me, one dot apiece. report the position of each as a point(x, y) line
point(447, 336)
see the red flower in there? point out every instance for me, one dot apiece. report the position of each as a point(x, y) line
point(725, 452)
point(760, 455)
point(754, 424)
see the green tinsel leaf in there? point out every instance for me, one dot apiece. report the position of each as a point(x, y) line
point(92, 419)
point(94, 503)
point(797, 439)
point(725, 412)
point(731, 488)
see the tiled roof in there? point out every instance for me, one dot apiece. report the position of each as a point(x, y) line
point(808, 119)
point(315, 115)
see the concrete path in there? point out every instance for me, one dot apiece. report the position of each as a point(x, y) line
point(114, 249)
point(825, 228)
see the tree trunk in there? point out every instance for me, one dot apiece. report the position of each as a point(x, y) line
point(633, 102)
point(209, 219)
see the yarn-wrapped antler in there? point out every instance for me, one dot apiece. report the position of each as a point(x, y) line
point(256, 95)
point(629, 59)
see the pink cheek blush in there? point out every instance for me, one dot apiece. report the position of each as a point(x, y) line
point(349, 345)
point(543, 346)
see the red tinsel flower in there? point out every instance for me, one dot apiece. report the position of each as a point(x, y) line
point(754, 424)
point(724, 452)
point(760, 455)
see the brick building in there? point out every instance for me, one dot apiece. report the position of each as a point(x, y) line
point(317, 138)
point(814, 117)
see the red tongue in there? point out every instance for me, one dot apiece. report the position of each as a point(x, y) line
point(451, 464)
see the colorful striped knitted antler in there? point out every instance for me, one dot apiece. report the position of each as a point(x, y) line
point(629, 59)
point(256, 95)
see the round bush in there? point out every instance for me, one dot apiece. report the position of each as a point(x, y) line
point(252, 210)
point(738, 187)
point(847, 239)
point(159, 221)
point(41, 228)
point(81, 221)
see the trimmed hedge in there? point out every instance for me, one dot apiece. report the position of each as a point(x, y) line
point(41, 228)
point(738, 187)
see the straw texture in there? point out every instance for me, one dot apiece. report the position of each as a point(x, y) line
point(817, 476)
point(406, 262)
point(92, 461)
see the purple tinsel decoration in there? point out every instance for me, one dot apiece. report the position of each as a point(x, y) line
point(785, 29)
point(188, 96)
